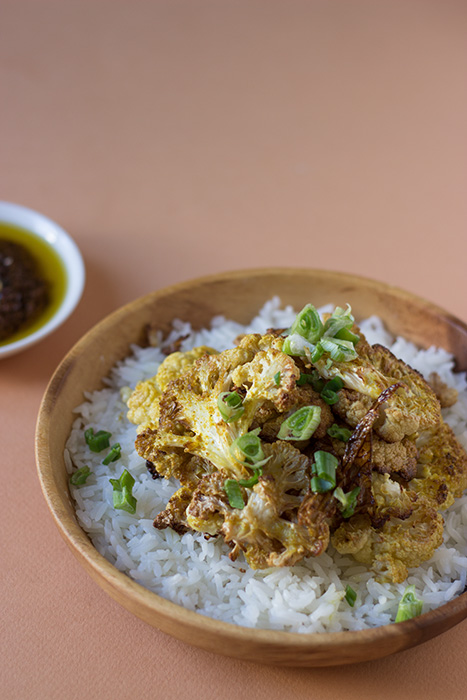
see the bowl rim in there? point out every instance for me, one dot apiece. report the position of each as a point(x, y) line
point(39, 225)
point(120, 585)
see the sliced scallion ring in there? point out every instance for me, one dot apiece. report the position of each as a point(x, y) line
point(335, 431)
point(320, 485)
point(248, 483)
point(97, 441)
point(339, 350)
point(317, 353)
point(234, 494)
point(339, 320)
point(325, 467)
point(304, 379)
point(347, 334)
point(350, 595)
point(249, 446)
point(113, 455)
point(335, 384)
point(300, 425)
point(308, 324)
point(347, 501)
point(409, 606)
point(78, 478)
point(330, 389)
point(123, 498)
point(230, 406)
point(295, 345)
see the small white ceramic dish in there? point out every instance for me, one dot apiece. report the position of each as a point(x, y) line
point(35, 226)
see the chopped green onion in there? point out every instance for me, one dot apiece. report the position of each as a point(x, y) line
point(234, 494)
point(314, 379)
point(334, 326)
point(348, 500)
point(295, 345)
point(347, 347)
point(277, 378)
point(308, 336)
point(248, 483)
point(329, 397)
point(308, 324)
point(409, 606)
point(97, 442)
point(249, 445)
point(335, 384)
point(113, 455)
point(339, 433)
point(330, 389)
point(300, 425)
point(230, 406)
point(123, 498)
point(320, 485)
point(350, 595)
point(317, 382)
point(340, 319)
point(304, 379)
point(339, 350)
point(325, 467)
point(78, 478)
point(346, 334)
point(317, 352)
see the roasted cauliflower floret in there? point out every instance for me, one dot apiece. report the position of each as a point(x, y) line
point(414, 407)
point(174, 514)
point(395, 547)
point(143, 403)
point(447, 395)
point(442, 467)
point(259, 529)
point(189, 417)
point(395, 457)
point(390, 499)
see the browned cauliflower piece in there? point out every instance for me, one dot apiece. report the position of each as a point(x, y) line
point(390, 499)
point(412, 408)
point(395, 457)
point(395, 547)
point(174, 514)
point(143, 403)
point(442, 467)
point(189, 417)
point(447, 395)
point(352, 406)
point(260, 529)
point(266, 529)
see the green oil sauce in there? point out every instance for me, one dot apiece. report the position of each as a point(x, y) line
point(51, 269)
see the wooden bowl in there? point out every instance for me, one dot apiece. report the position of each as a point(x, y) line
point(237, 295)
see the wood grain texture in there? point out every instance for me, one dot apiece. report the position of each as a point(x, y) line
point(237, 295)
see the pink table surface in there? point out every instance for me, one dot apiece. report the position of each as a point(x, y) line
point(175, 139)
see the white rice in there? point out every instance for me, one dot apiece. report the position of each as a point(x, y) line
point(197, 573)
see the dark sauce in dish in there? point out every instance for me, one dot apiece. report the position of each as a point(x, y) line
point(32, 283)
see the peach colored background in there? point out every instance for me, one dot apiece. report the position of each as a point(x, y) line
point(174, 139)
